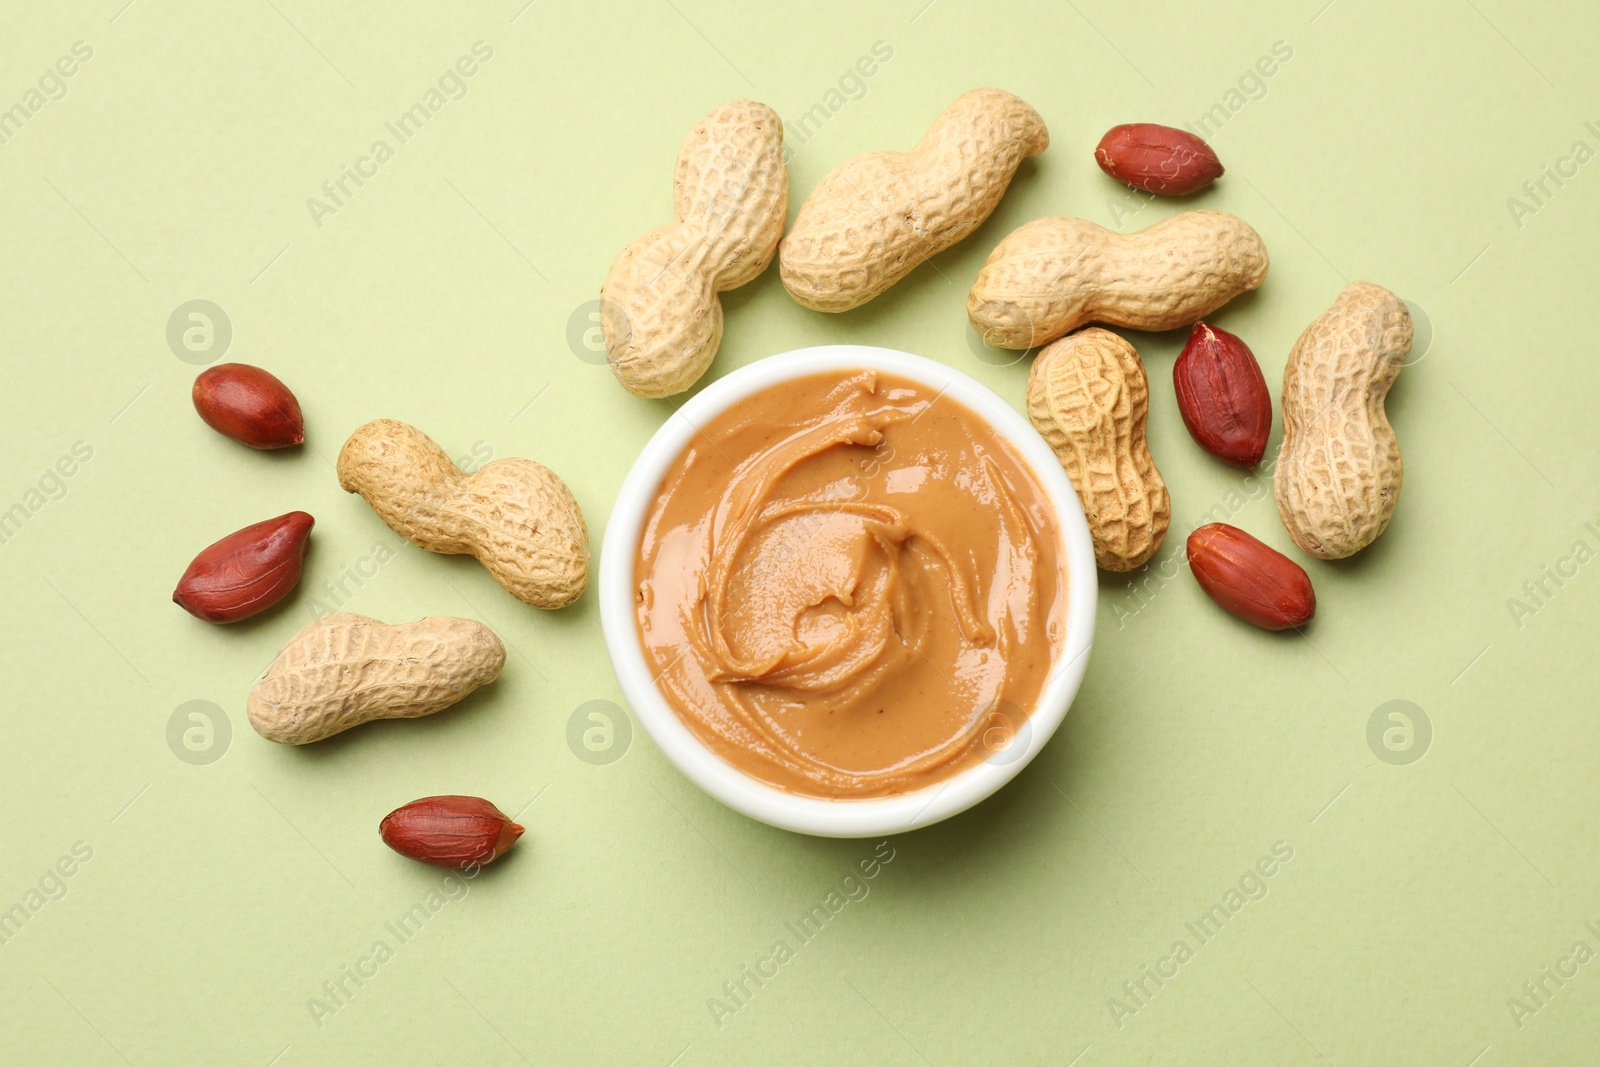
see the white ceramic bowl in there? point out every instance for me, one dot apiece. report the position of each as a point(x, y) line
point(812, 815)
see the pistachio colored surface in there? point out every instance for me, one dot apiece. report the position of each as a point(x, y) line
point(455, 289)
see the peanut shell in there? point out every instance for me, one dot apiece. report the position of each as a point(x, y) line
point(1339, 471)
point(875, 217)
point(346, 669)
point(1054, 275)
point(659, 311)
point(1088, 397)
point(515, 516)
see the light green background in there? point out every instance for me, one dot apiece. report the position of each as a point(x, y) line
point(220, 897)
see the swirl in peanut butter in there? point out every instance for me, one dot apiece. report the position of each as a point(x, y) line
point(851, 586)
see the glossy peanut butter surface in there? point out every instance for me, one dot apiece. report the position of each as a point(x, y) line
point(851, 586)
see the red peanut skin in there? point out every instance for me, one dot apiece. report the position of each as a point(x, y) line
point(449, 831)
point(1249, 579)
point(246, 572)
point(1157, 159)
point(249, 405)
point(1223, 396)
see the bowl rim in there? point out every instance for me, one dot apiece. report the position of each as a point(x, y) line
point(867, 817)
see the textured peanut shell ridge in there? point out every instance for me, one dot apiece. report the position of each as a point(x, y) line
point(1088, 397)
point(875, 217)
point(515, 516)
point(346, 669)
point(1339, 471)
point(659, 311)
point(1054, 275)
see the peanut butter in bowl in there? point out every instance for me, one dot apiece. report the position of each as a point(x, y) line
point(848, 584)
